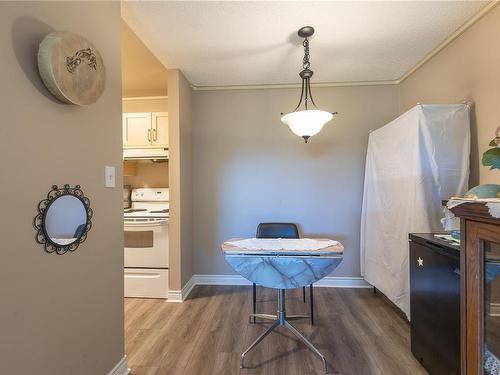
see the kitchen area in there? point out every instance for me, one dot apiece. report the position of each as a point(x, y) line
point(157, 188)
point(146, 196)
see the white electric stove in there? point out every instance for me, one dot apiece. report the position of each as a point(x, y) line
point(146, 243)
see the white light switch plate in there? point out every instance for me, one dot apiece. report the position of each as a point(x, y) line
point(109, 177)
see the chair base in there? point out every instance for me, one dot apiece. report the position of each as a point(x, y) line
point(276, 317)
point(281, 319)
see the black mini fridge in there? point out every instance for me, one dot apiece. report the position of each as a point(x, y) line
point(435, 303)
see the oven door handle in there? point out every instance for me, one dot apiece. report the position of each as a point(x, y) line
point(142, 224)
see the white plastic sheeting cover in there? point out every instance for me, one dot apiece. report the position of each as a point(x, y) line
point(412, 163)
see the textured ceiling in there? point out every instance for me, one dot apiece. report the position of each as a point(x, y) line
point(250, 42)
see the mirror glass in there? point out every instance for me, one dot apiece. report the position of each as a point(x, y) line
point(65, 220)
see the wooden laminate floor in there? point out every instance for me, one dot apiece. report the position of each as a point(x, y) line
point(357, 331)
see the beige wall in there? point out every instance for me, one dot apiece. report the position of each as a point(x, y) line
point(180, 177)
point(248, 167)
point(142, 73)
point(59, 314)
point(467, 69)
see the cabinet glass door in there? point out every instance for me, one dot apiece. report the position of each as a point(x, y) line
point(491, 308)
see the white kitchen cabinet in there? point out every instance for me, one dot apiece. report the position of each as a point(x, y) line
point(137, 129)
point(145, 129)
point(159, 127)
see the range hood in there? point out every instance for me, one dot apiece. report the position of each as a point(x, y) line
point(145, 154)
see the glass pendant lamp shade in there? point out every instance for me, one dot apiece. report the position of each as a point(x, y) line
point(306, 123)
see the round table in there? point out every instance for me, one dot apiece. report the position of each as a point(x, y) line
point(282, 269)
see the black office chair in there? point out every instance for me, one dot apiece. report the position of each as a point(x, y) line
point(281, 230)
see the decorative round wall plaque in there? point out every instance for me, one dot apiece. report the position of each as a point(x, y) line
point(71, 68)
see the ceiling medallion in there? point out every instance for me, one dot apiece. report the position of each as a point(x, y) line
point(305, 121)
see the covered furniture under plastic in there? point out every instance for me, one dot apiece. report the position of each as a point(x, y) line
point(412, 164)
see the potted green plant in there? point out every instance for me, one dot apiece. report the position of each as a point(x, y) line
point(491, 157)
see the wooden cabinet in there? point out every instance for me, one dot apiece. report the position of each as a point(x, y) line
point(480, 289)
point(145, 129)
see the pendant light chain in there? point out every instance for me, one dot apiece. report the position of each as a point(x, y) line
point(305, 62)
point(305, 65)
point(308, 121)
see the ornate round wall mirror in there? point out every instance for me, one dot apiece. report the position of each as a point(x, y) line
point(63, 219)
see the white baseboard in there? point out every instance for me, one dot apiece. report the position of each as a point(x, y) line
point(220, 280)
point(178, 296)
point(187, 288)
point(327, 282)
point(343, 282)
point(121, 367)
point(174, 296)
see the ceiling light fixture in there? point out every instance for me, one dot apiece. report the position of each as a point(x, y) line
point(306, 122)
